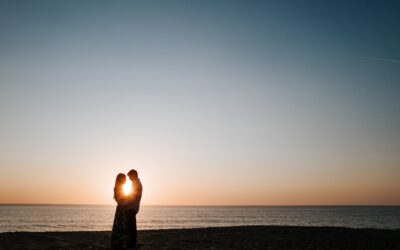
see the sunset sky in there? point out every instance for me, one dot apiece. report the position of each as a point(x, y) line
point(213, 102)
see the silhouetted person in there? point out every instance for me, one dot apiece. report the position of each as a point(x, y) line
point(134, 204)
point(120, 236)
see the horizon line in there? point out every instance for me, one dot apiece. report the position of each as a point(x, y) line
point(212, 205)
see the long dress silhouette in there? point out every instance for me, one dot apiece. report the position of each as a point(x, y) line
point(120, 236)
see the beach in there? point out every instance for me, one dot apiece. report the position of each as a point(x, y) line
point(243, 237)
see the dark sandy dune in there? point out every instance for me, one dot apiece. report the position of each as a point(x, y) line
point(246, 237)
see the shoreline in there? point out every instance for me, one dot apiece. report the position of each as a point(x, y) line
point(241, 237)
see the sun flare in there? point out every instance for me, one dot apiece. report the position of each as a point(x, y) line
point(127, 187)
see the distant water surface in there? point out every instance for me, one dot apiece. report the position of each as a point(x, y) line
point(39, 218)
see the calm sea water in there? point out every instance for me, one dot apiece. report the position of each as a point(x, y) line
point(98, 218)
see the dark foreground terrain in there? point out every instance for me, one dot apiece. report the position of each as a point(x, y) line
point(246, 237)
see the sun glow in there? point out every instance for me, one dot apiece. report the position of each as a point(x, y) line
point(127, 187)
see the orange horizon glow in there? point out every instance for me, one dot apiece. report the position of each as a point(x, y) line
point(197, 195)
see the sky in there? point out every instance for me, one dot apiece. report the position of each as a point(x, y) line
point(213, 102)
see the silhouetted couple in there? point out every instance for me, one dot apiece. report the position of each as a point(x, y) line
point(124, 232)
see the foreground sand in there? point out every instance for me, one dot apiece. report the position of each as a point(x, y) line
point(247, 237)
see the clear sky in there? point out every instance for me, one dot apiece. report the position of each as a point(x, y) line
point(213, 102)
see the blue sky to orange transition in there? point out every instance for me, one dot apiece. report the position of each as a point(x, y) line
point(213, 102)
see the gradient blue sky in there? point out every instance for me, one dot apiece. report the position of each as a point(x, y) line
point(214, 102)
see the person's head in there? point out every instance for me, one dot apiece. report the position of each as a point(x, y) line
point(133, 174)
point(119, 182)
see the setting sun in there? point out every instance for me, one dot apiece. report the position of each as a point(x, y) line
point(127, 187)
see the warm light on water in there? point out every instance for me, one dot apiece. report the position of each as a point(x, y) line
point(39, 218)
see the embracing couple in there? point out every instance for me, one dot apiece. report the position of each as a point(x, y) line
point(124, 232)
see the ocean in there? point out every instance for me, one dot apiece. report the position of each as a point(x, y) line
point(41, 218)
